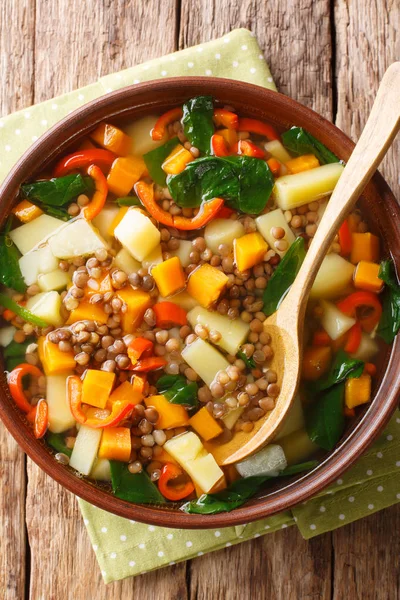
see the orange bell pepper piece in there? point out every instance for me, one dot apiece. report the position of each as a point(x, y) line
point(353, 339)
point(345, 238)
point(274, 165)
point(15, 384)
point(100, 195)
point(249, 149)
point(160, 128)
point(219, 147)
point(138, 347)
point(169, 473)
point(226, 118)
point(83, 159)
point(256, 126)
point(321, 338)
point(349, 306)
point(41, 419)
point(169, 314)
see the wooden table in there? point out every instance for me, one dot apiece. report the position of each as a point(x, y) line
point(329, 56)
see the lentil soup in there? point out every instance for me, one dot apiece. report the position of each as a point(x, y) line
point(137, 275)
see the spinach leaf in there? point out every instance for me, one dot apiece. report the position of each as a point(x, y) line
point(389, 324)
point(342, 368)
point(128, 201)
point(249, 362)
point(325, 418)
point(53, 194)
point(237, 493)
point(133, 487)
point(155, 158)
point(57, 442)
point(14, 353)
point(10, 273)
point(284, 276)
point(177, 391)
point(244, 182)
point(299, 141)
point(22, 312)
point(197, 122)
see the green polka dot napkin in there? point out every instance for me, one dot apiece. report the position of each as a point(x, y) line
point(125, 548)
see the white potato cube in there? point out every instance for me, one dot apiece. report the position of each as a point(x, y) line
point(268, 461)
point(77, 238)
point(187, 446)
point(60, 416)
point(334, 321)
point(295, 190)
point(204, 359)
point(101, 470)
point(183, 252)
point(232, 416)
point(126, 262)
point(56, 280)
point(137, 234)
point(28, 236)
point(7, 335)
point(37, 261)
point(85, 450)
point(276, 149)
point(266, 223)
point(233, 331)
point(46, 305)
point(153, 259)
point(333, 278)
point(104, 219)
point(140, 132)
point(183, 299)
point(222, 231)
point(367, 349)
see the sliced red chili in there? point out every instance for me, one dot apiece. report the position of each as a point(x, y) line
point(169, 473)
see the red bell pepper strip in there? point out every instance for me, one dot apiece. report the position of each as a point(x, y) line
point(219, 147)
point(100, 195)
point(321, 338)
point(274, 165)
point(256, 126)
point(353, 339)
point(177, 492)
point(370, 369)
point(149, 364)
point(120, 408)
point(345, 238)
point(362, 299)
point(137, 347)
point(224, 213)
point(208, 210)
point(226, 118)
point(160, 128)
point(169, 314)
point(249, 149)
point(83, 159)
point(15, 384)
point(41, 421)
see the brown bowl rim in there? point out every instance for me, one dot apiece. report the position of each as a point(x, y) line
point(53, 143)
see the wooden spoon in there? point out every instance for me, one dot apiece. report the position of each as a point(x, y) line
point(286, 325)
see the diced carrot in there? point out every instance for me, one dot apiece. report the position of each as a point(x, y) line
point(316, 362)
point(177, 160)
point(169, 415)
point(365, 247)
point(25, 211)
point(97, 386)
point(302, 163)
point(206, 283)
point(366, 277)
point(169, 276)
point(358, 390)
point(249, 250)
point(205, 425)
point(111, 138)
point(124, 173)
point(116, 444)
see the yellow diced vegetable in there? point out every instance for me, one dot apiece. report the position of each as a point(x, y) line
point(53, 360)
point(229, 135)
point(124, 173)
point(125, 392)
point(205, 425)
point(357, 390)
point(249, 250)
point(365, 247)
point(316, 362)
point(116, 444)
point(177, 160)
point(97, 386)
point(169, 415)
point(137, 302)
point(117, 219)
point(366, 277)
point(89, 312)
point(86, 145)
point(169, 276)
point(206, 284)
point(25, 211)
point(302, 163)
point(111, 138)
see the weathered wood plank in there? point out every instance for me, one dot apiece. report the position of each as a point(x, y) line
point(16, 91)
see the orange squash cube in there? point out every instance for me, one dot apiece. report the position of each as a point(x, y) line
point(177, 160)
point(229, 135)
point(302, 163)
point(125, 392)
point(53, 360)
point(170, 415)
point(169, 276)
point(357, 391)
point(124, 173)
point(111, 138)
point(137, 302)
point(366, 277)
point(206, 284)
point(25, 211)
point(116, 444)
point(249, 250)
point(97, 386)
point(316, 362)
point(205, 425)
point(365, 247)
point(87, 311)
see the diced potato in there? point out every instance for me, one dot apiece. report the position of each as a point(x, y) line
point(183, 299)
point(137, 234)
point(37, 261)
point(367, 349)
point(294, 420)
point(31, 234)
point(183, 252)
point(291, 191)
point(233, 331)
point(222, 231)
point(117, 220)
point(140, 132)
point(206, 283)
point(85, 450)
point(333, 278)
point(56, 280)
point(204, 359)
point(249, 250)
point(126, 262)
point(232, 416)
point(275, 218)
point(277, 150)
point(298, 447)
point(6, 335)
point(60, 416)
point(190, 453)
point(268, 461)
point(46, 305)
point(334, 321)
point(77, 238)
point(103, 220)
point(101, 470)
point(154, 258)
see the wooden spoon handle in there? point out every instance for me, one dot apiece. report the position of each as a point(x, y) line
point(382, 126)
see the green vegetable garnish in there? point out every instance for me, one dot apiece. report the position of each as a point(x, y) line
point(249, 362)
point(57, 442)
point(284, 276)
point(299, 142)
point(244, 182)
point(155, 158)
point(177, 391)
point(133, 487)
point(10, 273)
point(128, 201)
point(197, 121)
point(22, 312)
point(240, 491)
point(14, 353)
point(389, 324)
point(343, 367)
point(325, 418)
